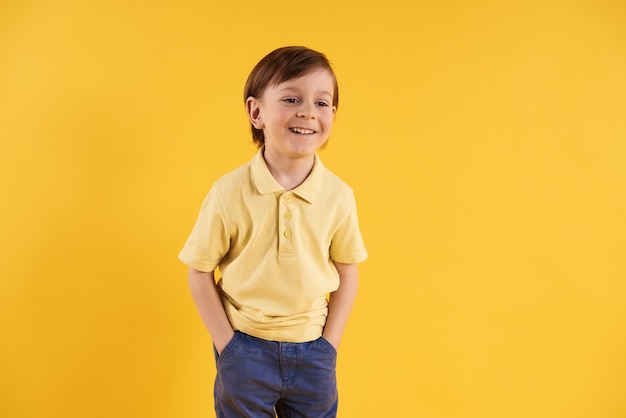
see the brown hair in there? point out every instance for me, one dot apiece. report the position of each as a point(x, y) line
point(281, 65)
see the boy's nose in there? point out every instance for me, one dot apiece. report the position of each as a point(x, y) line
point(306, 111)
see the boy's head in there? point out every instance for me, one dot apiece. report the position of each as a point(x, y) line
point(281, 65)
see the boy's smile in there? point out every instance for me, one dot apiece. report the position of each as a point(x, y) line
point(296, 116)
point(302, 131)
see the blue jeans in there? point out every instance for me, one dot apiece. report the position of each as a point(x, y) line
point(260, 378)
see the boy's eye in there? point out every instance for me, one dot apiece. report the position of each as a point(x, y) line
point(322, 104)
point(291, 100)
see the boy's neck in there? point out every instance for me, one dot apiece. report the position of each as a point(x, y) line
point(288, 172)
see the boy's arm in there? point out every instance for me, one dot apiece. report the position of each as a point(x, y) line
point(209, 305)
point(340, 303)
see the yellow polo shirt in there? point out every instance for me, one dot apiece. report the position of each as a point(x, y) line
point(275, 248)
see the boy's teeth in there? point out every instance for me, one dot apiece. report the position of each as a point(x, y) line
point(302, 131)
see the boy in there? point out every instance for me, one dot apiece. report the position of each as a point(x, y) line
point(282, 233)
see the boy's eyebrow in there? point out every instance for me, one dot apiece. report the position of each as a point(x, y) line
point(295, 89)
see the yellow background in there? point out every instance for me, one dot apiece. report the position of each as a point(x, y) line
point(485, 141)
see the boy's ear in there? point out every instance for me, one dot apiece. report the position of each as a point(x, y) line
point(254, 112)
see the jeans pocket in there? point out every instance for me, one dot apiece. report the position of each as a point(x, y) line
point(328, 346)
point(232, 344)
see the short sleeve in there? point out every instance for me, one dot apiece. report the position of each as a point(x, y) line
point(209, 240)
point(347, 244)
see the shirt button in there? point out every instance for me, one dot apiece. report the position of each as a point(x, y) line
point(287, 233)
point(287, 215)
point(288, 198)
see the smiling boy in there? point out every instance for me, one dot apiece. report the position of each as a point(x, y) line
point(283, 232)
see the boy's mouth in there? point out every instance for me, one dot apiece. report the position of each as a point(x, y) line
point(302, 131)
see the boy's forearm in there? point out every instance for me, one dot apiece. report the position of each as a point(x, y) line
point(341, 302)
point(209, 305)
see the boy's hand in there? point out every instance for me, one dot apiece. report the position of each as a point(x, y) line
point(209, 305)
point(340, 303)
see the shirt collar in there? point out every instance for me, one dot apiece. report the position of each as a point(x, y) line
point(266, 184)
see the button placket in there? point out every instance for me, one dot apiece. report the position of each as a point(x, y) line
point(285, 233)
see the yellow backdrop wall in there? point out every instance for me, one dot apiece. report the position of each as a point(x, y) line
point(485, 141)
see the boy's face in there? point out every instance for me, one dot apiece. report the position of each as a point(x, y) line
point(296, 116)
